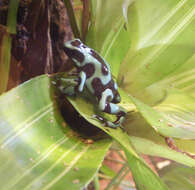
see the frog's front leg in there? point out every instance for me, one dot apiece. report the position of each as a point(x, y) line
point(105, 105)
point(82, 79)
point(68, 90)
point(77, 84)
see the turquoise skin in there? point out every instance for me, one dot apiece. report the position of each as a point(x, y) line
point(94, 73)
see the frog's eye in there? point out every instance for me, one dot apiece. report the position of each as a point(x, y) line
point(76, 43)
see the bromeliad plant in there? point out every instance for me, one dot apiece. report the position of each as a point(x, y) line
point(150, 47)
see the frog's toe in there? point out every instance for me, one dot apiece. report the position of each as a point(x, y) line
point(106, 122)
point(99, 118)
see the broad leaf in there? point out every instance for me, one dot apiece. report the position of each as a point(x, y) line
point(38, 148)
point(163, 43)
point(149, 147)
point(136, 126)
point(164, 124)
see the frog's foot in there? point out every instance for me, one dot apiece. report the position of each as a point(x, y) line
point(120, 117)
point(111, 108)
point(70, 90)
point(67, 86)
point(105, 122)
point(117, 123)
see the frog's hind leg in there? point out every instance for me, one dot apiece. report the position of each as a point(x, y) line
point(106, 106)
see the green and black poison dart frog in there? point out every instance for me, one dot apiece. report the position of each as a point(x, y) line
point(94, 73)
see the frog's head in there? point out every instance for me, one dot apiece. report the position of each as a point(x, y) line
point(75, 50)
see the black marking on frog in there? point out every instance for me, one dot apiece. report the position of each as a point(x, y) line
point(104, 67)
point(99, 87)
point(88, 68)
point(74, 53)
point(76, 43)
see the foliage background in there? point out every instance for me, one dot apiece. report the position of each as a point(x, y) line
point(150, 47)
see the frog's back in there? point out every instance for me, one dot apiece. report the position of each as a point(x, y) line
point(98, 72)
point(96, 69)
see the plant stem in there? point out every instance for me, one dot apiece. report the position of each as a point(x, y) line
point(72, 18)
point(96, 182)
point(5, 53)
point(113, 181)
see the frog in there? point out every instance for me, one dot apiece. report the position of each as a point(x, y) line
point(94, 73)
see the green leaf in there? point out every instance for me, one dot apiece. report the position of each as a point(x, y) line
point(106, 35)
point(107, 171)
point(159, 55)
point(72, 18)
point(77, 6)
point(38, 149)
point(178, 177)
point(162, 44)
point(136, 126)
point(101, 28)
point(162, 123)
point(143, 175)
point(186, 145)
point(148, 141)
point(149, 147)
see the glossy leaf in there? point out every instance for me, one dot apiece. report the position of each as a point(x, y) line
point(38, 148)
point(163, 43)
